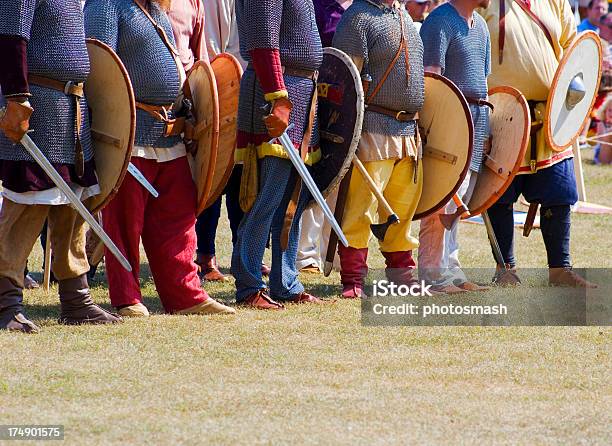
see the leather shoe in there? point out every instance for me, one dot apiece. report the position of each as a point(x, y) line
point(262, 301)
point(209, 306)
point(305, 298)
point(209, 269)
point(507, 277)
point(567, 277)
point(471, 286)
point(135, 310)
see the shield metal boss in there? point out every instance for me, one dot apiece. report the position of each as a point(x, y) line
point(510, 124)
point(112, 108)
point(227, 72)
point(447, 133)
point(573, 91)
point(340, 113)
point(203, 91)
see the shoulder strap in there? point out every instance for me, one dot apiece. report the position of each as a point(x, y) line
point(527, 9)
point(158, 28)
point(402, 47)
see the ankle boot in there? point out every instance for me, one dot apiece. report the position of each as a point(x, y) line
point(353, 269)
point(209, 269)
point(77, 306)
point(400, 267)
point(507, 277)
point(11, 309)
point(567, 277)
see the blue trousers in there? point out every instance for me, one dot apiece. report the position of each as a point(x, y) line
point(555, 189)
point(208, 221)
point(277, 180)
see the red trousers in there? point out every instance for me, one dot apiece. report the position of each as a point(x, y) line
point(167, 228)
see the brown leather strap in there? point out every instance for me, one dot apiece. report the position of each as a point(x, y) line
point(502, 25)
point(174, 126)
point(158, 28)
point(480, 102)
point(401, 115)
point(290, 214)
point(311, 119)
point(305, 74)
point(502, 29)
point(402, 47)
point(74, 90)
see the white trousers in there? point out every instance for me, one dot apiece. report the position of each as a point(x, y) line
point(314, 237)
point(439, 248)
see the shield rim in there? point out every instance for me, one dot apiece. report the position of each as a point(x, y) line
point(358, 127)
point(566, 54)
point(468, 113)
point(201, 202)
point(128, 156)
point(214, 195)
point(517, 165)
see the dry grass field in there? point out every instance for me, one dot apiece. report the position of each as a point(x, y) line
point(315, 375)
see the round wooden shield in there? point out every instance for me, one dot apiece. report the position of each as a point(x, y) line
point(340, 112)
point(112, 109)
point(580, 67)
point(447, 133)
point(510, 124)
point(228, 72)
point(203, 89)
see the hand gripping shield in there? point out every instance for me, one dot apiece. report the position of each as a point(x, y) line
point(447, 133)
point(113, 119)
point(573, 91)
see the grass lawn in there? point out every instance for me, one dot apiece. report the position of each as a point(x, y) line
point(315, 375)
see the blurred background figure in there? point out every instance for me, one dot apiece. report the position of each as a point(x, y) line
point(604, 133)
point(418, 10)
point(595, 9)
point(327, 14)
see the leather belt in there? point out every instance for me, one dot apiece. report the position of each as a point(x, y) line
point(173, 126)
point(535, 127)
point(480, 102)
point(295, 72)
point(401, 115)
point(74, 90)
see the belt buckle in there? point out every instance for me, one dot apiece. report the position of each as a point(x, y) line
point(400, 113)
point(67, 87)
point(532, 164)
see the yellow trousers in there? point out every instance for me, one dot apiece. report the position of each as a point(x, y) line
point(20, 226)
point(395, 178)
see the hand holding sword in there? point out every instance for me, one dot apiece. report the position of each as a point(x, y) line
point(278, 121)
point(16, 126)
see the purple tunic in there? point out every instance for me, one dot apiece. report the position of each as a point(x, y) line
point(328, 14)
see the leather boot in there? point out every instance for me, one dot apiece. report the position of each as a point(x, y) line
point(400, 267)
point(353, 269)
point(567, 277)
point(507, 277)
point(11, 309)
point(209, 269)
point(78, 308)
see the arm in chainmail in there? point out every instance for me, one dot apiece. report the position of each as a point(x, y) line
point(16, 18)
point(102, 21)
point(263, 23)
point(352, 35)
point(436, 40)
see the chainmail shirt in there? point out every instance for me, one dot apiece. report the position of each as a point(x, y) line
point(464, 55)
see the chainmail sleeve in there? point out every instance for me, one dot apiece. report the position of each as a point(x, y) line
point(263, 17)
point(16, 17)
point(436, 39)
point(352, 34)
point(102, 21)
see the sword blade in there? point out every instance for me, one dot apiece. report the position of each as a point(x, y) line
point(311, 185)
point(44, 163)
point(138, 176)
point(499, 258)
